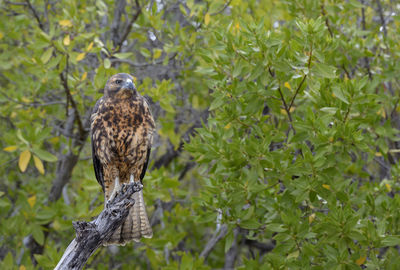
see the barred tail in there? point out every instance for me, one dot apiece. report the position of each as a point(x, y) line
point(135, 226)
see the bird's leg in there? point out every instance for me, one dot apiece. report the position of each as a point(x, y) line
point(116, 189)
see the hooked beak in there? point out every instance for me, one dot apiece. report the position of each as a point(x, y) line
point(129, 85)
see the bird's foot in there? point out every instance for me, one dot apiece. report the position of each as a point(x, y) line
point(117, 188)
point(137, 185)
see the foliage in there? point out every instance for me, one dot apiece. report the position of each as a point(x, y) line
point(297, 159)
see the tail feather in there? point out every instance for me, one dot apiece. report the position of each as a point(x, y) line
point(135, 226)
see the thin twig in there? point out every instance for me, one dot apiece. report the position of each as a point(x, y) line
point(140, 65)
point(380, 162)
point(326, 19)
point(118, 10)
point(129, 26)
point(35, 14)
point(32, 104)
point(297, 91)
point(347, 113)
point(15, 3)
point(363, 25)
point(345, 71)
point(222, 9)
point(285, 106)
point(304, 78)
point(70, 99)
point(382, 18)
point(46, 14)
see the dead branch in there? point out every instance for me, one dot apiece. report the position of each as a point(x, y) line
point(232, 254)
point(91, 235)
point(218, 235)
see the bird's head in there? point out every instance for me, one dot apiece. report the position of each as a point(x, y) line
point(121, 86)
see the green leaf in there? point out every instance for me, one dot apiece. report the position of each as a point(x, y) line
point(339, 94)
point(276, 227)
point(330, 110)
point(250, 210)
point(217, 102)
point(391, 240)
point(4, 202)
point(8, 260)
point(238, 69)
point(107, 63)
point(250, 224)
point(44, 155)
point(356, 4)
point(122, 55)
point(324, 71)
point(38, 234)
point(100, 79)
point(21, 138)
point(145, 52)
point(186, 262)
point(47, 55)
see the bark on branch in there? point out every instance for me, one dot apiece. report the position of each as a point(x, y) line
point(91, 235)
point(218, 235)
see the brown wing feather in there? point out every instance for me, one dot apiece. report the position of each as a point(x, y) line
point(98, 168)
point(145, 165)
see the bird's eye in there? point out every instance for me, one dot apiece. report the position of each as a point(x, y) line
point(118, 81)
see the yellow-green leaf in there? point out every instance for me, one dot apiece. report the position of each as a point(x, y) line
point(107, 63)
point(293, 255)
point(65, 23)
point(287, 85)
point(24, 160)
point(80, 56)
point(90, 46)
point(47, 55)
point(361, 260)
point(122, 55)
point(11, 148)
point(311, 218)
point(207, 19)
point(84, 76)
point(32, 200)
point(66, 40)
point(157, 53)
point(38, 164)
point(328, 187)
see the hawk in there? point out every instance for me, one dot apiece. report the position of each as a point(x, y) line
point(122, 130)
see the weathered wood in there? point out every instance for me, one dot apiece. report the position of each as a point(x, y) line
point(91, 235)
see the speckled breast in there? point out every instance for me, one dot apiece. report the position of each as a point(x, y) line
point(122, 130)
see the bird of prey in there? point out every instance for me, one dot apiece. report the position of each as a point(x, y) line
point(122, 130)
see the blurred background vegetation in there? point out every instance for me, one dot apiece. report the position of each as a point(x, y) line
point(277, 130)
